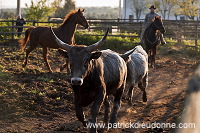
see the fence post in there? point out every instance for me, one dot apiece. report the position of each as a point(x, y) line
point(196, 39)
point(118, 25)
point(179, 33)
point(110, 29)
point(13, 24)
point(141, 26)
point(34, 23)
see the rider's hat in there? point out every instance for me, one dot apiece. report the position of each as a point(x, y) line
point(152, 7)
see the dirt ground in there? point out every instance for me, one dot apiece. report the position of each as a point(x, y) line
point(33, 100)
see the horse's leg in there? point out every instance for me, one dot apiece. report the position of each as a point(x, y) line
point(154, 56)
point(68, 67)
point(65, 65)
point(30, 49)
point(45, 58)
point(148, 53)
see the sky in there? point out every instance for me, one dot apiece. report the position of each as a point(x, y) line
point(79, 3)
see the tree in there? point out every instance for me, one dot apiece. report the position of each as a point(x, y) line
point(189, 8)
point(165, 7)
point(7, 15)
point(137, 7)
point(38, 11)
point(62, 11)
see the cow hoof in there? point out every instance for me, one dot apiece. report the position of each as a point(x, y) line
point(102, 130)
point(61, 69)
point(151, 66)
point(92, 130)
point(85, 123)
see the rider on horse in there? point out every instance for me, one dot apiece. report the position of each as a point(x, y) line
point(148, 20)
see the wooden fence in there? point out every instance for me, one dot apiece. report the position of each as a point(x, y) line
point(177, 30)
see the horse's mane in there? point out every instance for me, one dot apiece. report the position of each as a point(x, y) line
point(157, 17)
point(69, 16)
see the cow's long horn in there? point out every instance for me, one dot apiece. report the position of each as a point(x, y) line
point(125, 55)
point(99, 43)
point(62, 44)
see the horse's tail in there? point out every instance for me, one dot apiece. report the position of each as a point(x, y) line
point(24, 41)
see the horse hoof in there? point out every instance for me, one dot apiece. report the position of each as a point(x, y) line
point(50, 71)
point(130, 103)
point(145, 99)
point(24, 65)
point(61, 69)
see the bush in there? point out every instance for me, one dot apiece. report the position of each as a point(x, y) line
point(5, 36)
point(112, 42)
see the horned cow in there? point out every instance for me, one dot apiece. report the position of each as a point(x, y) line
point(95, 76)
point(137, 67)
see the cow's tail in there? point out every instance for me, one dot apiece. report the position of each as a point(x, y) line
point(24, 41)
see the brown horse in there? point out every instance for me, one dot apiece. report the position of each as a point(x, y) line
point(43, 36)
point(152, 38)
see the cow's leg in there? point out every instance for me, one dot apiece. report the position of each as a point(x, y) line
point(117, 104)
point(99, 98)
point(106, 114)
point(143, 85)
point(107, 110)
point(45, 58)
point(80, 114)
point(130, 94)
point(79, 110)
point(30, 49)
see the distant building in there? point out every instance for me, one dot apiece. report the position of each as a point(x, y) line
point(125, 12)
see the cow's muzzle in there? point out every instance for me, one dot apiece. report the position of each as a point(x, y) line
point(76, 81)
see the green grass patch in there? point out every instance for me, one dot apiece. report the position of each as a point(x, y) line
point(118, 42)
point(3, 74)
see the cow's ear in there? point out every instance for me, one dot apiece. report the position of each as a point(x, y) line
point(126, 58)
point(63, 53)
point(96, 55)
